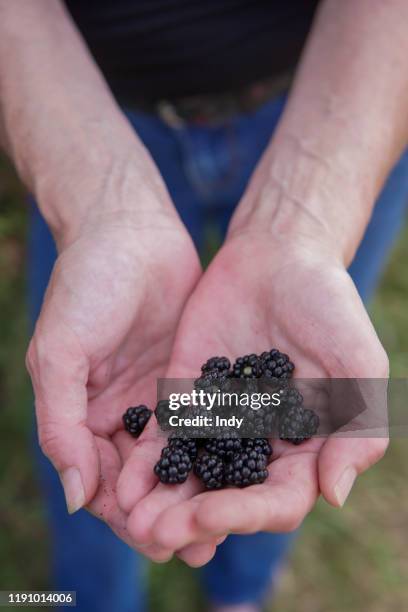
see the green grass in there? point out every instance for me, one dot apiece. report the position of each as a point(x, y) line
point(352, 559)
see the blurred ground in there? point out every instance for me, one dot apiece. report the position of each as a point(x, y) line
point(352, 559)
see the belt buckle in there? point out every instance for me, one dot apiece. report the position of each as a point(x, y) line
point(169, 114)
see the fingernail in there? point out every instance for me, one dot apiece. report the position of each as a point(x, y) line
point(73, 488)
point(344, 485)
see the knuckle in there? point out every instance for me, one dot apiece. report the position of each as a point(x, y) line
point(45, 353)
point(49, 441)
point(383, 364)
point(139, 531)
point(40, 355)
point(30, 359)
point(377, 449)
point(292, 522)
point(375, 367)
point(158, 556)
point(300, 506)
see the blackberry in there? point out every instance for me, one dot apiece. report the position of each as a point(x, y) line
point(223, 447)
point(260, 445)
point(276, 365)
point(188, 445)
point(162, 413)
point(221, 364)
point(212, 380)
point(311, 422)
point(247, 467)
point(248, 366)
point(258, 423)
point(173, 466)
point(254, 421)
point(290, 397)
point(297, 424)
point(270, 421)
point(210, 470)
point(135, 419)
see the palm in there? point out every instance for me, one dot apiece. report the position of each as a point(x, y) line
point(251, 300)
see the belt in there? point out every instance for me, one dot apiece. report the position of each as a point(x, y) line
point(216, 108)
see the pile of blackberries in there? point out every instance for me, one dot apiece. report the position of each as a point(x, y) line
point(227, 459)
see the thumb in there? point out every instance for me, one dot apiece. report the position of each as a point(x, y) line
point(59, 373)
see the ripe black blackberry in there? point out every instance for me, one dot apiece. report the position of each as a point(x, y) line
point(173, 466)
point(210, 470)
point(247, 467)
point(270, 421)
point(223, 447)
point(311, 422)
point(290, 396)
point(212, 380)
point(254, 421)
point(221, 364)
point(188, 445)
point(297, 424)
point(248, 366)
point(260, 445)
point(135, 419)
point(162, 413)
point(275, 364)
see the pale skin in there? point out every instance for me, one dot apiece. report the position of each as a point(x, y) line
point(127, 292)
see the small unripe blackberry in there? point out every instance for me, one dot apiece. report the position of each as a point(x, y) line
point(297, 424)
point(248, 366)
point(221, 364)
point(247, 467)
point(223, 447)
point(135, 419)
point(275, 364)
point(210, 470)
point(173, 466)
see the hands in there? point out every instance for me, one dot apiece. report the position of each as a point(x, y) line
point(106, 333)
point(255, 295)
point(121, 282)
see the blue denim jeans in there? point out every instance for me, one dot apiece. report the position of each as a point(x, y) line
point(206, 170)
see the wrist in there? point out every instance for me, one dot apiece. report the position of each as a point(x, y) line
point(296, 195)
point(105, 185)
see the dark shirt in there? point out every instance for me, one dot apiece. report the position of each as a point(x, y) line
point(154, 49)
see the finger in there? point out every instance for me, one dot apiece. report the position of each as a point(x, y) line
point(145, 513)
point(59, 372)
point(137, 478)
point(104, 505)
point(197, 555)
point(184, 529)
point(341, 460)
point(157, 554)
point(278, 505)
